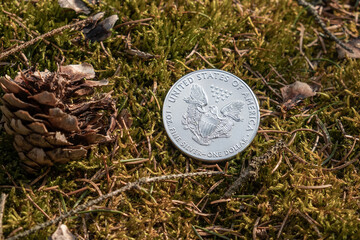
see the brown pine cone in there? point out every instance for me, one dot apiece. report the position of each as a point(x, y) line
point(56, 116)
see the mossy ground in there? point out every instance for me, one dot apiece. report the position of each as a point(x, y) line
point(267, 37)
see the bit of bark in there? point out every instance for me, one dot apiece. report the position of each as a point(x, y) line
point(140, 54)
point(354, 45)
point(254, 166)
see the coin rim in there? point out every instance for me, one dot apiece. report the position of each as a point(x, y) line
point(196, 157)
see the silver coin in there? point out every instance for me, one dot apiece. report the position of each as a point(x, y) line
point(211, 115)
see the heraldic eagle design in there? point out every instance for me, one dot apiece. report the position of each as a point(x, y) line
point(206, 122)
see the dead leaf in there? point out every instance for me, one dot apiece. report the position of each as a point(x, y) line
point(62, 233)
point(78, 71)
point(100, 31)
point(89, 83)
point(292, 94)
point(77, 5)
point(354, 45)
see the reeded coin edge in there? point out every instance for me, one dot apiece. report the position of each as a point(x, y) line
point(220, 159)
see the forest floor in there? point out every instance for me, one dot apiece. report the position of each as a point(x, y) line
point(310, 190)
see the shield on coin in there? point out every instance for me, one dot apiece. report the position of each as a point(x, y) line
point(207, 124)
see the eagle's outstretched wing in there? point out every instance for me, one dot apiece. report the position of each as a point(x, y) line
point(233, 110)
point(197, 96)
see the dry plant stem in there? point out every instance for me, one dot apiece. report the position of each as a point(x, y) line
point(253, 169)
point(283, 223)
point(16, 49)
point(313, 12)
point(255, 228)
point(311, 222)
point(2, 208)
point(93, 202)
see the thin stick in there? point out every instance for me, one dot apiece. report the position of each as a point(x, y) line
point(37, 206)
point(133, 22)
point(356, 158)
point(2, 208)
point(314, 187)
point(311, 222)
point(313, 12)
point(255, 228)
point(252, 170)
point(92, 184)
point(283, 223)
point(204, 59)
point(127, 187)
point(18, 48)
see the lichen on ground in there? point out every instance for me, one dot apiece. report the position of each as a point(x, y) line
point(299, 199)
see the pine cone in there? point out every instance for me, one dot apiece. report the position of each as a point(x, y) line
point(56, 116)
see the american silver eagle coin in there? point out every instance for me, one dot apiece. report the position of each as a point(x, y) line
point(211, 115)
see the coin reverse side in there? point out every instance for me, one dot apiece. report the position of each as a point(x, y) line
point(211, 115)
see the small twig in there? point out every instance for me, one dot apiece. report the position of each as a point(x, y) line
point(2, 208)
point(37, 206)
point(356, 158)
point(314, 187)
point(277, 164)
point(192, 51)
point(313, 12)
point(258, 75)
point(140, 54)
point(18, 48)
point(311, 222)
point(128, 133)
point(104, 49)
point(40, 177)
point(255, 228)
point(296, 156)
point(252, 170)
point(92, 184)
point(204, 59)
point(133, 22)
point(93, 202)
point(283, 223)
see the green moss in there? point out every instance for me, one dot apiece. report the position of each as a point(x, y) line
point(266, 30)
